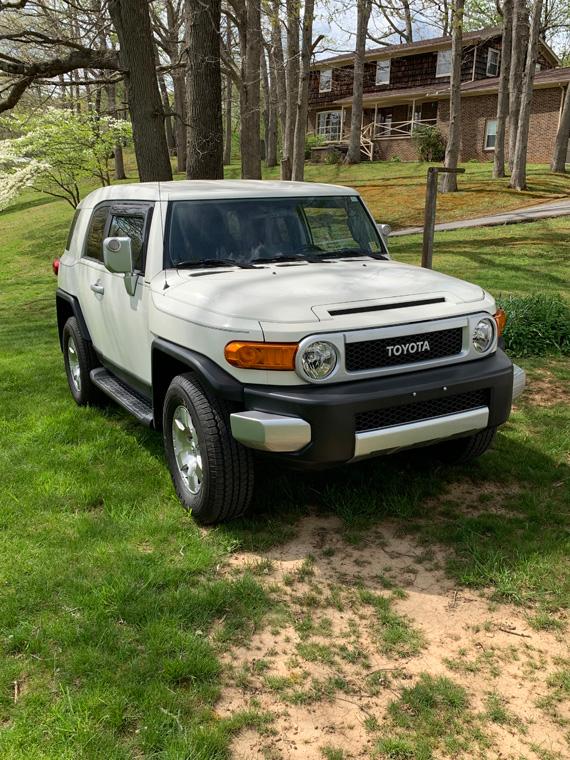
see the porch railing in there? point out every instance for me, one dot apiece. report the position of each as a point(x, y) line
point(386, 130)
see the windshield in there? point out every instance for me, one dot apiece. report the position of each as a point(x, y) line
point(268, 229)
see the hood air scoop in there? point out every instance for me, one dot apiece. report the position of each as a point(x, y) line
point(384, 307)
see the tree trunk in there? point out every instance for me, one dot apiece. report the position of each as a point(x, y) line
point(167, 108)
point(518, 55)
point(298, 165)
point(266, 104)
point(503, 96)
point(118, 149)
point(279, 64)
point(292, 86)
point(518, 176)
point(204, 158)
point(132, 23)
point(228, 129)
point(363, 10)
point(173, 21)
point(449, 181)
point(180, 135)
point(273, 141)
point(250, 142)
point(170, 141)
point(562, 136)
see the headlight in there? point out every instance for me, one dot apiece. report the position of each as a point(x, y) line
point(319, 359)
point(483, 335)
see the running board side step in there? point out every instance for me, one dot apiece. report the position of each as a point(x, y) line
point(120, 392)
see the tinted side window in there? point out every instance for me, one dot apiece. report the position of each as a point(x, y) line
point(94, 244)
point(72, 230)
point(131, 226)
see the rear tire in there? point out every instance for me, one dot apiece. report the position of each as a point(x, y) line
point(462, 450)
point(79, 360)
point(212, 473)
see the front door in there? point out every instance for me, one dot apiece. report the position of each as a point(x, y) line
point(117, 321)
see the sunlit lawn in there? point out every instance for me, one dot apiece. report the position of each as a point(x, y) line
point(113, 610)
point(395, 192)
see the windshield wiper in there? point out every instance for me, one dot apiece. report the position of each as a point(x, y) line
point(288, 257)
point(199, 263)
point(342, 252)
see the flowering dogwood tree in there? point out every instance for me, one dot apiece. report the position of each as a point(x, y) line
point(54, 151)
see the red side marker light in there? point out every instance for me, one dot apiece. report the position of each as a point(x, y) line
point(55, 266)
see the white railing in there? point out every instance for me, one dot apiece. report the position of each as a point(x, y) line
point(385, 131)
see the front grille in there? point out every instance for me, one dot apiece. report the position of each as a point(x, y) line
point(408, 349)
point(421, 410)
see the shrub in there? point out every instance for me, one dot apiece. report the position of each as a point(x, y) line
point(312, 141)
point(333, 156)
point(536, 325)
point(429, 142)
point(396, 159)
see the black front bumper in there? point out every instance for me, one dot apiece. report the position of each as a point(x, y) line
point(332, 410)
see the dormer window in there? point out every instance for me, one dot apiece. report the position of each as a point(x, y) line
point(383, 71)
point(443, 68)
point(493, 58)
point(325, 80)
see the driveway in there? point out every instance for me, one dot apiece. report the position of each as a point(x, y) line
point(560, 207)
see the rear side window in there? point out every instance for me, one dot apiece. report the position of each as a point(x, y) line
point(72, 230)
point(131, 226)
point(94, 242)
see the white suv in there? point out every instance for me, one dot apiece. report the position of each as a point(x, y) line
point(268, 316)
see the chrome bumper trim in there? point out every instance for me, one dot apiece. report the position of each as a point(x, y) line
point(401, 436)
point(519, 381)
point(270, 432)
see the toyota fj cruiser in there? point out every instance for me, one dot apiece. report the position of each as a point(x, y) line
point(268, 316)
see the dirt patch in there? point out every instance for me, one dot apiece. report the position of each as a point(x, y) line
point(545, 390)
point(484, 498)
point(353, 625)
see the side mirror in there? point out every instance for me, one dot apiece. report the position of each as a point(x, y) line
point(118, 257)
point(384, 230)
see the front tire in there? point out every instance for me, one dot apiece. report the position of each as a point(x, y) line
point(211, 472)
point(463, 450)
point(79, 361)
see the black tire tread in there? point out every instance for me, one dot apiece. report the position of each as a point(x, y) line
point(232, 463)
point(466, 449)
point(90, 394)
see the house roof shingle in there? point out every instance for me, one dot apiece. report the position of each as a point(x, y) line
point(393, 51)
point(546, 78)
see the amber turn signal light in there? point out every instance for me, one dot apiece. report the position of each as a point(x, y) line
point(252, 355)
point(501, 320)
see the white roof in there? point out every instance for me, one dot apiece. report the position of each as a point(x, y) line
point(204, 189)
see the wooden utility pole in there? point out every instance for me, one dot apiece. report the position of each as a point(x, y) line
point(429, 213)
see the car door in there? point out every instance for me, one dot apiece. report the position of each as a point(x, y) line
point(117, 321)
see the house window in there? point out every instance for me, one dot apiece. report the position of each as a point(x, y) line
point(443, 68)
point(383, 72)
point(328, 125)
point(490, 134)
point(538, 67)
point(493, 57)
point(325, 80)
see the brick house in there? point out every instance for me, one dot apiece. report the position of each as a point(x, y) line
point(407, 85)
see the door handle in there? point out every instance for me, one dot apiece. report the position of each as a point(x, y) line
point(96, 287)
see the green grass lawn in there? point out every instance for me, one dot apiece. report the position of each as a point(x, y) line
point(395, 192)
point(113, 612)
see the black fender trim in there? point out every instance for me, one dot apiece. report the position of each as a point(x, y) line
point(65, 303)
point(219, 383)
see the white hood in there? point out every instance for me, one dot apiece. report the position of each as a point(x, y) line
point(304, 293)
